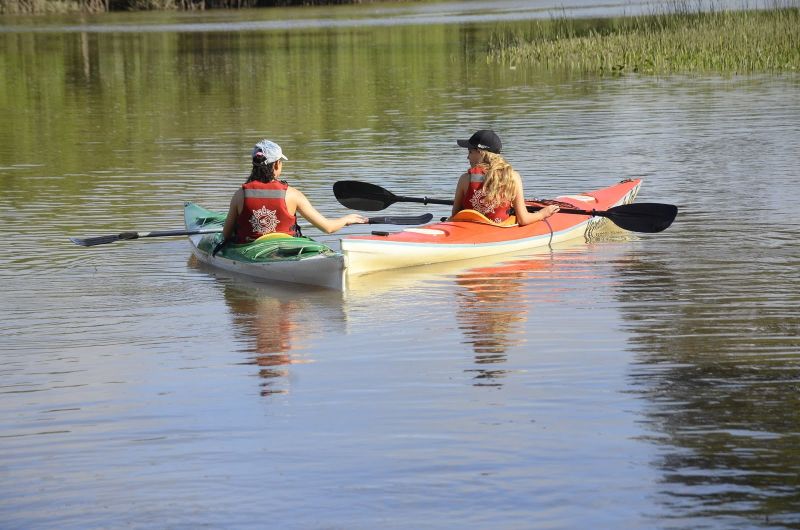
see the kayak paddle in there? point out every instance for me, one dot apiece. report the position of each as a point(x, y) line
point(371, 198)
point(125, 236)
point(647, 217)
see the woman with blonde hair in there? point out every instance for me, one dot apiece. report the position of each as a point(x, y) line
point(491, 186)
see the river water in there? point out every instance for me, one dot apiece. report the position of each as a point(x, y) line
point(631, 381)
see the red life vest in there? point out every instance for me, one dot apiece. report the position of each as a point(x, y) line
point(474, 197)
point(264, 211)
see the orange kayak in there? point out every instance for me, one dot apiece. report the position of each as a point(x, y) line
point(469, 235)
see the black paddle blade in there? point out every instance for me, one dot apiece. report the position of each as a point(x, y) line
point(103, 240)
point(92, 241)
point(646, 217)
point(402, 220)
point(362, 195)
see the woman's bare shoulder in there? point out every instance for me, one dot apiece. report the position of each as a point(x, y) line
point(295, 197)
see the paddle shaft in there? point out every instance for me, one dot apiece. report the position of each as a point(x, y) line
point(532, 209)
point(449, 202)
point(127, 236)
point(167, 233)
point(423, 200)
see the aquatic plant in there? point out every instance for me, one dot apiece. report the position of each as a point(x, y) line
point(681, 40)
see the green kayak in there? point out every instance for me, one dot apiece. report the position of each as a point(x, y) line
point(275, 257)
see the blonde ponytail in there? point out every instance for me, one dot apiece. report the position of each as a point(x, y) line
point(498, 184)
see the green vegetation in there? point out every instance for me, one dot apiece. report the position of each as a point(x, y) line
point(681, 41)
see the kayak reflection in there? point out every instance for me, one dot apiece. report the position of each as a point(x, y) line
point(267, 325)
point(270, 321)
point(492, 297)
point(491, 311)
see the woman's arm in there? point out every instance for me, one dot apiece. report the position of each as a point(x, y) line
point(461, 190)
point(237, 202)
point(524, 217)
point(303, 205)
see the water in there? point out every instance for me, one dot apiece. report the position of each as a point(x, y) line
point(393, 14)
point(634, 381)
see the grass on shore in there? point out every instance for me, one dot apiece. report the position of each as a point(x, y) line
point(678, 42)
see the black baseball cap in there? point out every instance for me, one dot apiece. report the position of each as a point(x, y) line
point(484, 139)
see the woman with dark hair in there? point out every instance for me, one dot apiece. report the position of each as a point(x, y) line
point(264, 204)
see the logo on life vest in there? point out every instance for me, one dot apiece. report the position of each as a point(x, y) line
point(479, 204)
point(477, 201)
point(264, 221)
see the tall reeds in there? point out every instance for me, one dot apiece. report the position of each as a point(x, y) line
point(681, 40)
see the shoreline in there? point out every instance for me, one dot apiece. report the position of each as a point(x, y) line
point(62, 7)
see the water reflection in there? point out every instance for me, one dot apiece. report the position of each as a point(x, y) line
point(718, 367)
point(492, 309)
point(269, 325)
point(493, 296)
point(276, 326)
point(343, 17)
